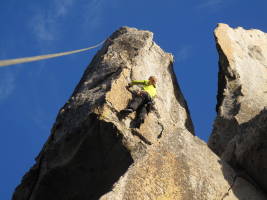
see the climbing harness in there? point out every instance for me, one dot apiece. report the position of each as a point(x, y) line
point(42, 57)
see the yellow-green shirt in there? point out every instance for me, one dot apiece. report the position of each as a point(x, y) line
point(149, 88)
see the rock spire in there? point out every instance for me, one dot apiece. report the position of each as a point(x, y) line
point(92, 153)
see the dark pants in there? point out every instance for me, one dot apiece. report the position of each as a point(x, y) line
point(140, 103)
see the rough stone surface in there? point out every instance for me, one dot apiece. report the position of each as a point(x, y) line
point(242, 91)
point(94, 154)
point(239, 134)
point(247, 151)
point(182, 167)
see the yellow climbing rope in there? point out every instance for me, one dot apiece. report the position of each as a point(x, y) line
point(42, 57)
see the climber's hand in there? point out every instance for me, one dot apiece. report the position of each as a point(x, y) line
point(129, 85)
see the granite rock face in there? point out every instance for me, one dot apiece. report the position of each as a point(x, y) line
point(240, 134)
point(93, 153)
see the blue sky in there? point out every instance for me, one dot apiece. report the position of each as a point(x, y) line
point(31, 94)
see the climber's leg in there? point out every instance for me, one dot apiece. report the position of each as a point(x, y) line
point(142, 112)
point(134, 104)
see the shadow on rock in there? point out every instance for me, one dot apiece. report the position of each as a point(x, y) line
point(247, 153)
point(85, 165)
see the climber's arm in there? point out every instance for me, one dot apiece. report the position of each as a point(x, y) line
point(144, 82)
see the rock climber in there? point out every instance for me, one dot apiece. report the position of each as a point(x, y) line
point(142, 101)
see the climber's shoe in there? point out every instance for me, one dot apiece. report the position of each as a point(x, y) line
point(127, 110)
